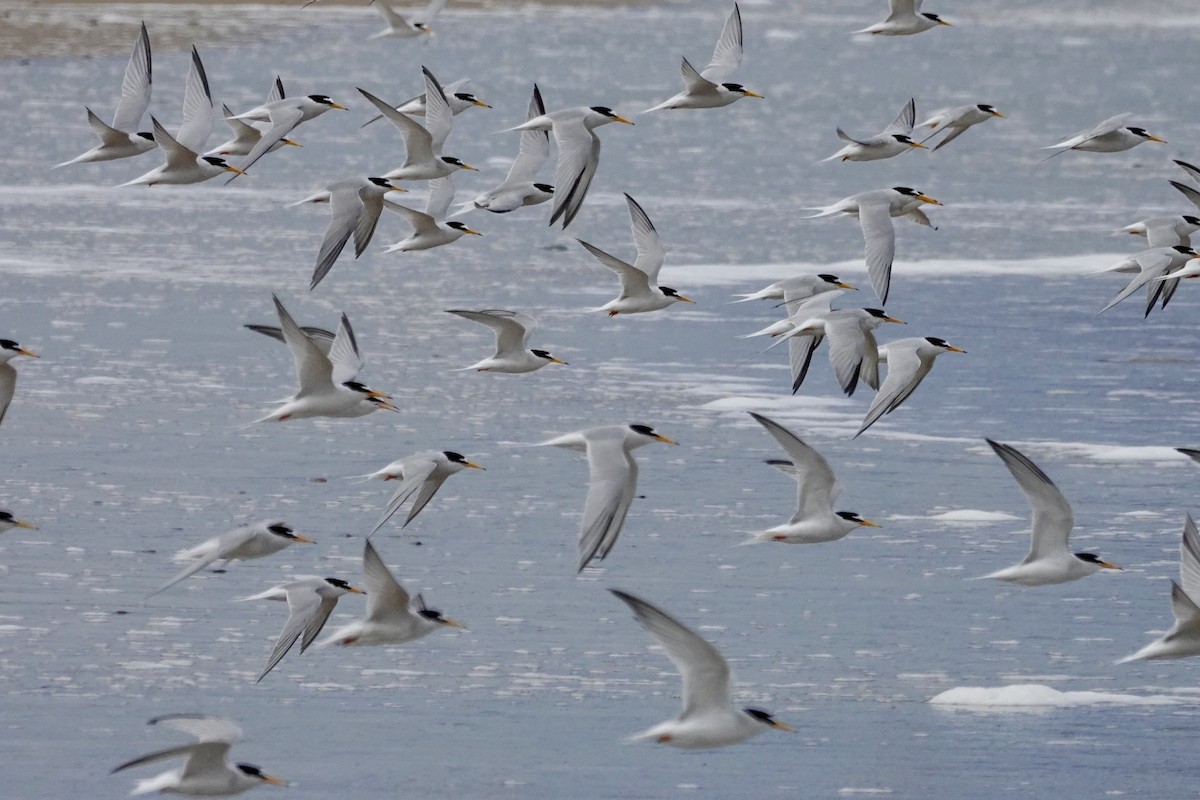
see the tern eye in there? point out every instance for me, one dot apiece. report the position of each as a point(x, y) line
point(251, 770)
point(1191, 220)
point(541, 354)
point(876, 312)
point(146, 135)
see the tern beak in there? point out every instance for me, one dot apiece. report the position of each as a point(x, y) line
point(24, 523)
point(481, 104)
point(472, 465)
point(453, 623)
point(1155, 139)
point(924, 198)
point(338, 106)
point(557, 361)
point(849, 286)
point(665, 439)
point(395, 188)
point(234, 169)
point(943, 22)
point(998, 114)
point(388, 406)
point(274, 780)
point(379, 395)
point(954, 349)
point(472, 232)
point(866, 523)
point(293, 144)
point(893, 319)
point(468, 166)
point(749, 93)
point(356, 590)
point(917, 144)
point(1106, 565)
point(782, 726)
point(305, 539)
point(622, 119)
point(27, 352)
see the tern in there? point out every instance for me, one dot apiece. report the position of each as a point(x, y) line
point(1049, 560)
point(423, 159)
point(853, 352)
point(8, 522)
point(512, 329)
point(282, 116)
point(421, 475)
point(392, 616)
point(578, 153)
point(904, 19)
point(310, 602)
point(8, 374)
point(327, 381)
point(956, 120)
point(1165, 231)
point(355, 206)
point(250, 541)
point(894, 140)
point(908, 362)
point(459, 102)
point(247, 135)
point(796, 289)
point(875, 210)
point(709, 719)
point(400, 28)
point(430, 228)
point(612, 482)
point(801, 346)
point(1183, 640)
point(1150, 265)
point(816, 490)
point(521, 187)
point(122, 139)
point(207, 772)
point(184, 164)
point(1110, 136)
point(640, 291)
point(707, 88)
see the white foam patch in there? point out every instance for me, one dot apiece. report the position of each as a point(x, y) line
point(739, 274)
point(966, 515)
point(1037, 696)
point(1108, 452)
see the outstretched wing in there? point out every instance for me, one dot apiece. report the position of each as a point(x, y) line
point(728, 53)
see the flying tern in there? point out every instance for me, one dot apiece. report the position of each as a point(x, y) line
point(247, 135)
point(894, 140)
point(1183, 640)
point(310, 602)
point(512, 330)
point(1110, 136)
point(708, 88)
point(355, 206)
point(250, 541)
point(430, 227)
point(282, 116)
point(796, 289)
point(400, 27)
point(853, 352)
point(904, 19)
point(423, 159)
point(521, 187)
point(458, 99)
point(908, 362)
point(956, 121)
point(1157, 262)
point(8, 375)
point(420, 475)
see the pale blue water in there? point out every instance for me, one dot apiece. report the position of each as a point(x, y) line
point(125, 441)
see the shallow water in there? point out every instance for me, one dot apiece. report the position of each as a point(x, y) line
point(127, 440)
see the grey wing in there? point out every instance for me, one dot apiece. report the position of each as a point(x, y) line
point(905, 372)
point(8, 385)
point(320, 337)
point(1052, 515)
point(385, 596)
point(512, 328)
point(135, 88)
point(633, 280)
point(578, 159)
point(650, 253)
point(848, 350)
point(344, 356)
point(1191, 169)
point(728, 53)
point(176, 154)
point(1153, 265)
point(432, 10)
point(1164, 234)
point(417, 142)
point(954, 133)
point(535, 146)
point(415, 479)
point(845, 137)
point(1191, 194)
point(441, 195)
point(903, 124)
point(197, 108)
point(903, 8)
point(206, 760)
point(188, 571)
point(880, 237)
point(612, 481)
point(314, 371)
point(817, 487)
point(346, 209)
point(157, 755)
point(206, 729)
point(276, 91)
point(707, 682)
point(1183, 607)
point(1189, 558)
point(304, 605)
point(422, 223)
point(800, 354)
point(283, 121)
point(438, 116)
point(693, 82)
point(368, 219)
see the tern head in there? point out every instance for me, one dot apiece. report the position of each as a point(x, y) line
point(323, 99)
point(451, 160)
point(851, 516)
point(459, 226)
point(345, 587)
point(467, 97)
point(916, 195)
point(674, 295)
point(384, 183)
point(434, 615)
point(220, 162)
point(8, 518)
point(942, 343)
point(1092, 558)
point(546, 355)
point(460, 459)
point(834, 280)
point(16, 349)
point(905, 139)
point(880, 314)
point(279, 529)
point(609, 115)
point(647, 431)
point(254, 772)
point(988, 108)
point(1142, 133)
point(737, 88)
point(422, 27)
point(768, 719)
point(937, 19)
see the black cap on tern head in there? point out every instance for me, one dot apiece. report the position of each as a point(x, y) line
point(1189, 219)
point(644, 430)
point(250, 770)
point(762, 716)
point(338, 582)
point(323, 99)
point(545, 187)
point(905, 190)
point(937, 342)
point(279, 529)
point(146, 135)
point(215, 161)
point(457, 458)
point(381, 182)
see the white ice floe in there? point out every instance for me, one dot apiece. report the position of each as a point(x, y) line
point(1036, 696)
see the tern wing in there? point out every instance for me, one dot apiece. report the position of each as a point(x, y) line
point(418, 144)
point(417, 478)
point(954, 133)
point(344, 356)
point(1052, 515)
point(135, 88)
point(693, 82)
point(633, 280)
point(322, 338)
point(612, 481)
point(728, 53)
point(707, 684)
point(650, 253)
point(423, 224)
point(438, 116)
point(314, 370)
point(441, 195)
point(899, 9)
point(347, 211)
point(283, 121)
point(880, 238)
point(1191, 194)
point(578, 159)
point(816, 485)
point(176, 154)
point(206, 729)
point(1153, 265)
point(535, 146)
point(307, 613)
point(8, 385)
point(197, 108)
point(905, 372)
point(903, 124)
point(385, 596)
point(1189, 558)
point(512, 328)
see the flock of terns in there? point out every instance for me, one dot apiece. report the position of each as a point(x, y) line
point(328, 363)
